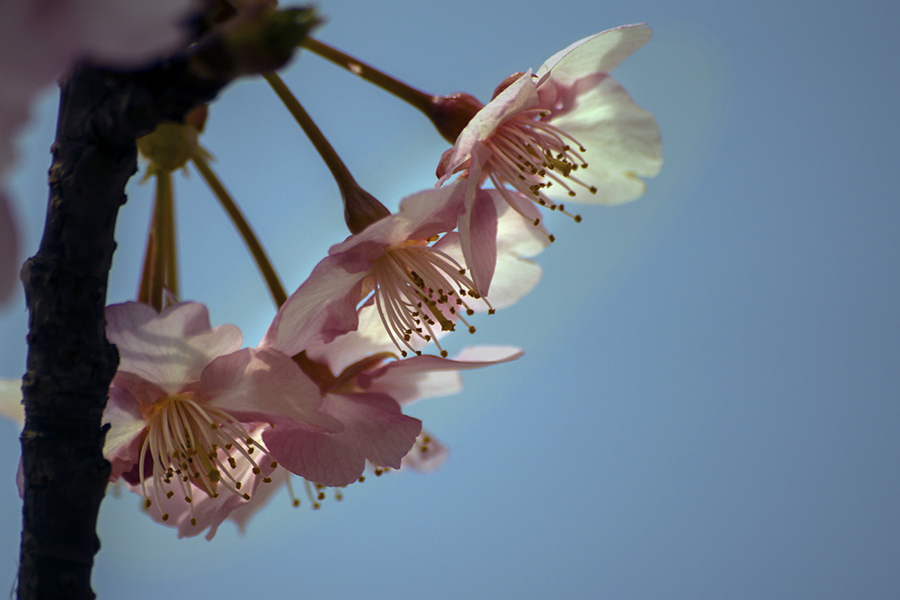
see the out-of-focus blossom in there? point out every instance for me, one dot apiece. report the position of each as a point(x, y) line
point(9, 244)
point(11, 407)
point(409, 267)
point(39, 41)
point(183, 406)
point(569, 132)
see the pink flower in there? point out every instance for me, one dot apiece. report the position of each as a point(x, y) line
point(368, 373)
point(409, 267)
point(421, 377)
point(568, 132)
point(182, 407)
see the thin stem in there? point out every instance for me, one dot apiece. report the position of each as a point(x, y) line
point(449, 114)
point(159, 258)
point(334, 163)
point(360, 208)
point(421, 100)
point(164, 180)
point(256, 249)
point(143, 295)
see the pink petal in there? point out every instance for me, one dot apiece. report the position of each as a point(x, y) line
point(517, 237)
point(169, 349)
point(38, 41)
point(126, 423)
point(129, 32)
point(20, 480)
point(517, 234)
point(265, 386)
point(515, 99)
point(322, 308)
point(432, 212)
point(478, 236)
point(376, 430)
point(209, 512)
point(430, 376)
point(421, 215)
point(319, 457)
point(370, 338)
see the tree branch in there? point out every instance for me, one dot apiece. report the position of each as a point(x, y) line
point(70, 363)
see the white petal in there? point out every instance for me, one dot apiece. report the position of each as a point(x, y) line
point(600, 53)
point(622, 141)
point(169, 349)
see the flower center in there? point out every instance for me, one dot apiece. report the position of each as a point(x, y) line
point(531, 155)
point(193, 445)
point(420, 290)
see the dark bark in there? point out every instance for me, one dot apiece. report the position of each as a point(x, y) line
point(70, 363)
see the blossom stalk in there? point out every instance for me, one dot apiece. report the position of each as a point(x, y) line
point(361, 209)
point(449, 114)
point(273, 282)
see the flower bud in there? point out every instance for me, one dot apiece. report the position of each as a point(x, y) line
point(506, 83)
point(450, 114)
point(361, 208)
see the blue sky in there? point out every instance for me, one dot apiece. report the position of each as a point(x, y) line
point(708, 404)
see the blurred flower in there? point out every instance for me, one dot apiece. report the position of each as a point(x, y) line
point(569, 131)
point(11, 401)
point(9, 243)
point(39, 41)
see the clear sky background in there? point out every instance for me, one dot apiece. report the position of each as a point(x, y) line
point(709, 404)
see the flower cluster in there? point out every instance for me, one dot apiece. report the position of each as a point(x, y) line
point(205, 430)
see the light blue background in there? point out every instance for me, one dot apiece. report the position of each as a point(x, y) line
point(710, 398)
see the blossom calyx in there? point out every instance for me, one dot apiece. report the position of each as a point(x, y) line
point(361, 208)
point(171, 145)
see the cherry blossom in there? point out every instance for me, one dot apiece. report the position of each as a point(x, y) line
point(569, 132)
point(409, 266)
point(182, 407)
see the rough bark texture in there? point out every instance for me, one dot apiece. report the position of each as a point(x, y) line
point(70, 363)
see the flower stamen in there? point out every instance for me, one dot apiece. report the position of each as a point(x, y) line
point(192, 443)
point(530, 155)
point(419, 288)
